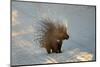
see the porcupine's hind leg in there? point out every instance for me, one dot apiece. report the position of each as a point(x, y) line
point(48, 49)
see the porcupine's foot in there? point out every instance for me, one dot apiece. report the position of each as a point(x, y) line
point(60, 51)
point(48, 51)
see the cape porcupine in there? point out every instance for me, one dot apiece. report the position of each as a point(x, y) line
point(52, 33)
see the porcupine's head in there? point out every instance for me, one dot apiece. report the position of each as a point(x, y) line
point(61, 31)
point(52, 30)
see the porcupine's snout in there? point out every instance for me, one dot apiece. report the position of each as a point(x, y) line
point(66, 37)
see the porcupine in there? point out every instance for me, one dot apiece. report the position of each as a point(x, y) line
point(52, 35)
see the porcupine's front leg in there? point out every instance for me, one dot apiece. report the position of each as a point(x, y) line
point(59, 46)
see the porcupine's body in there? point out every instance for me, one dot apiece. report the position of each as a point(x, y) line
point(52, 35)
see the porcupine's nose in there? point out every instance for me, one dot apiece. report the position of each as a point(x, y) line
point(67, 37)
